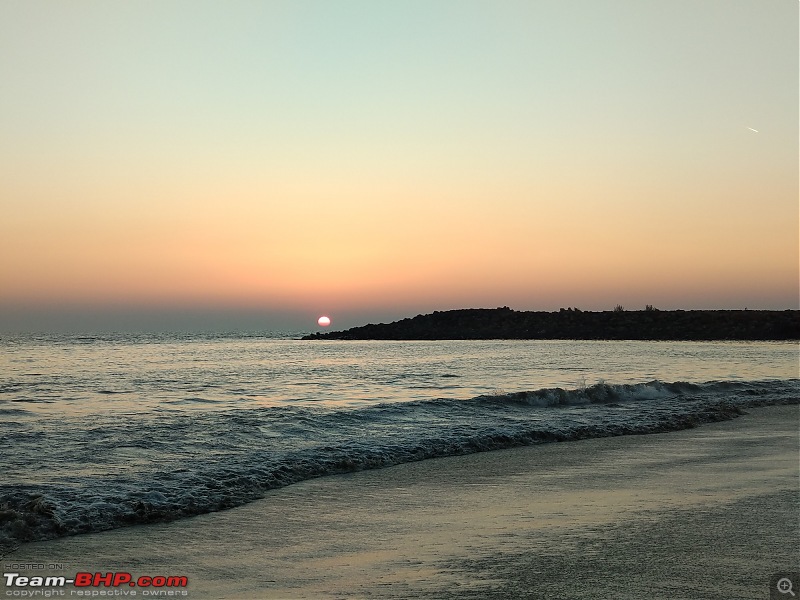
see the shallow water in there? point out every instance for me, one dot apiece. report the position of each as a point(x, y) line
point(104, 431)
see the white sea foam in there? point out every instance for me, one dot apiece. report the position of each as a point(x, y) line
point(207, 424)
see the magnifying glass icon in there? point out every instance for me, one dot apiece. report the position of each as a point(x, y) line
point(785, 586)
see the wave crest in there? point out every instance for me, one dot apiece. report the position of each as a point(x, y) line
point(271, 448)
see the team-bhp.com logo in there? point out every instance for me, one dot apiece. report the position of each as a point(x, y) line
point(151, 585)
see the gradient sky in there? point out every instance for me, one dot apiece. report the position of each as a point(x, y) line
point(256, 164)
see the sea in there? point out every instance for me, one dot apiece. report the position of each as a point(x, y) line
point(105, 431)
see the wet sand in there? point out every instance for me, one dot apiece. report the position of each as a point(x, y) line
point(710, 512)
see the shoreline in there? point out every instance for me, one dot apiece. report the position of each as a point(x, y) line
point(667, 514)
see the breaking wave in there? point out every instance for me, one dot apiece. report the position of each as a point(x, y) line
point(169, 466)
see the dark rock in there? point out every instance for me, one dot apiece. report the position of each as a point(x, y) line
point(505, 323)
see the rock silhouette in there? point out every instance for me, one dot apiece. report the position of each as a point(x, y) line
point(651, 324)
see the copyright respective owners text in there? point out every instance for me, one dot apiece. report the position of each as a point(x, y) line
point(53, 579)
point(783, 585)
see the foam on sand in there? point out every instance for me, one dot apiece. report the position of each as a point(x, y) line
point(704, 513)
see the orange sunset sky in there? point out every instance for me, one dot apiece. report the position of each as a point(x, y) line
point(256, 164)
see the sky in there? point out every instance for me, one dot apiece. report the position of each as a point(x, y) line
point(242, 164)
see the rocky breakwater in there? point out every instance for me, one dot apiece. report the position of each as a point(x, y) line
point(650, 324)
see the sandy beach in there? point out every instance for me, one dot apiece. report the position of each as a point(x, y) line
point(702, 513)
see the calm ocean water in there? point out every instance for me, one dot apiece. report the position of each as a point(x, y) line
point(99, 432)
